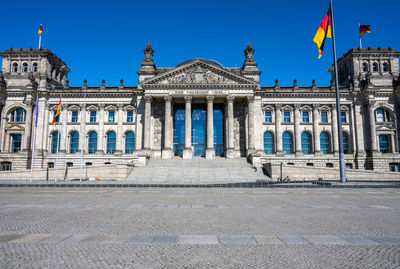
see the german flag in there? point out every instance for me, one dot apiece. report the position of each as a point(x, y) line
point(324, 31)
point(40, 32)
point(364, 29)
point(55, 120)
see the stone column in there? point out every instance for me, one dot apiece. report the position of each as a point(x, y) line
point(297, 131)
point(3, 126)
point(28, 126)
point(187, 152)
point(251, 148)
point(101, 138)
point(120, 119)
point(167, 150)
point(231, 132)
point(316, 135)
point(64, 122)
point(359, 127)
point(335, 134)
point(352, 146)
point(372, 128)
point(46, 128)
point(278, 133)
point(147, 122)
point(82, 135)
point(210, 152)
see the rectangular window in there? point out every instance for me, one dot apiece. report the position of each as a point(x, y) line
point(74, 116)
point(324, 116)
point(306, 117)
point(268, 116)
point(286, 116)
point(343, 117)
point(92, 116)
point(111, 116)
point(129, 116)
point(5, 166)
point(384, 143)
point(16, 142)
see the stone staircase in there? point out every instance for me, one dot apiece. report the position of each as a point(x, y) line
point(196, 171)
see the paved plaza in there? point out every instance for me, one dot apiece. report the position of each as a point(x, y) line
point(199, 228)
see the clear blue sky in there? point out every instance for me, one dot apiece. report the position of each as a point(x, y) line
point(105, 39)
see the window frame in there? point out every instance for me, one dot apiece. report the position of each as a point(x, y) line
point(271, 141)
point(285, 143)
point(74, 118)
point(287, 116)
point(303, 142)
point(129, 150)
point(326, 149)
point(305, 115)
point(325, 112)
point(128, 117)
point(73, 142)
point(268, 118)
point(93, 116)
point(111, 116)
point(343, 113)
point(111, 146)
point(92, 145)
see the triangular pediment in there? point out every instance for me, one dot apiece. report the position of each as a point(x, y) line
point(199, 72)
point(15, 127)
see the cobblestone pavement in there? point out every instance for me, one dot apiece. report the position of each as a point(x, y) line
point(199, 228)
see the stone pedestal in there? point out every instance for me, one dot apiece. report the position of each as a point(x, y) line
point(232, 154)
point(167, 154)
point(210, 154)
point(187, 153)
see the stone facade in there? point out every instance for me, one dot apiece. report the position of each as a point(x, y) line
point(200, 108)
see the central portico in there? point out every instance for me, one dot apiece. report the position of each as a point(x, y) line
point(199, 108)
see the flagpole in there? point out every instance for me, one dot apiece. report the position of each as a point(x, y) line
point(83, 118)
point(338, 109)
point(34, 138)
point(40, 40)
point(359, 35)
point(58, 146)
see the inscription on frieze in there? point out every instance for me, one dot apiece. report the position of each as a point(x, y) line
point(198, 92)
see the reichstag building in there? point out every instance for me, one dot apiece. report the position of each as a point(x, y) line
point(200, 109)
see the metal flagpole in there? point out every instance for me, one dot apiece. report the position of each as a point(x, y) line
point(58, 145)
point(338, 109)
point(83, 117)
point(40, 40)
point(34, 137)
point(359, 35)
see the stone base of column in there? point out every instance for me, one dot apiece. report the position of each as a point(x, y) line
point(145, 153)
point(299, 154)
point(232, 154)
point(118, 153)
point(375, 153)
point(24, 152)
point(336, 153)
point(317, 154)
point(210, 154)
point(361, 153)
point(167, 154)
point(187, 154)
point(250, 152)
point(280, 154)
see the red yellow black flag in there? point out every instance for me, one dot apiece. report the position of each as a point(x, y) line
point(324, 31)
point(40, 32)
point(365, 29)
point(55, 120)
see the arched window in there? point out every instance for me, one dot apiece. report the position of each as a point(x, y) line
point(92, 142)
point(345, 139)
point(55, 140)
point(384, 144)
point(35, 67)
point(382, 115)
point(129, 142)
point(24, 67)
point(17, 115)
point(385, 67)
point(375, 67)
point(287, 143)
point(111, 142)
point(365, 67)
point(15, 68)
point(74, 142)
point(306, 142)
point(269, 143)
point(325, 143)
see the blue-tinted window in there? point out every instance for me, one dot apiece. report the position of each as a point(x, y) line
point(375, 67)
point(55, 140)
point(384, 143)
point(74, 116)
point(179, 131)
point(325, 143)
point(382, 115)
point(111, 116)
point(287, 143)
point(324, 116)
point(345, 139)
point(129, 142)
point(306, 142)
point(25, 67)
point(218, 117)
point(111, 142)
point(35, 67)
point(269, 147)
point(92, 142)
point(199, 133)
point(15, 68)
point(268, 116)
point(129, 116)
point(286, 116)
point(343, 116)
point(17, 115)
point(306, 117)
point(16, 142)
point(93, 116)
point(74, 142)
